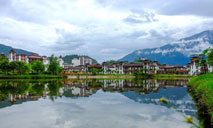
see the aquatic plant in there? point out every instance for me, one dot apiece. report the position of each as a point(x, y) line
point(163, 100)
point(189, 119)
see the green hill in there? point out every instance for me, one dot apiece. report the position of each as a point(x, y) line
point(6, 49)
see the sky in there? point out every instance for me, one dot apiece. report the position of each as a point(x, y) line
point(102, 29)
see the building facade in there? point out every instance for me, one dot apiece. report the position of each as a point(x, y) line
point(81, 61)
point(197, 69)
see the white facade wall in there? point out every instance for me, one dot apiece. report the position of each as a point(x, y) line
point(210, 68)
point(81, 61)
point(61, 62)
point(194, 69)
point(75, 62)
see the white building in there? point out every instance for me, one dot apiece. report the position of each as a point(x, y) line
point(61, 61)
point(76, 62)
point(81, 61)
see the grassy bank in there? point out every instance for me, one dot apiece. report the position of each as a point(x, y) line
point(170, 76)
point(201, 88)
point(40, 76)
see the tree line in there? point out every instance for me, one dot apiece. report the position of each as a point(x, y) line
point(36, 67)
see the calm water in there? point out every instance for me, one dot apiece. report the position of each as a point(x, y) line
point(95, 104)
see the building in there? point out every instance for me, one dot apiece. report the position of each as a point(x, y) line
point(195, 68)
point(81, 61)
point(17, 57)
point(23, 57)
point(60, 61)
point(97, 66)
point(170, 69)
point(2, 54)
point(77, 69)
point(27, 58)
point(115, 68)
point(34, 57)
point(45, 60)
point(128, 68)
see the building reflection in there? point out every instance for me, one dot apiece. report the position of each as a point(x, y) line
point(18, 92)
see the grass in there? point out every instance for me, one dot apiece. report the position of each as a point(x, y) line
point(202, 90)
point(28, 76)
point(170, 76)
point(108, 75)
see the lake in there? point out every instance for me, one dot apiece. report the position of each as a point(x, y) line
point(95, 104)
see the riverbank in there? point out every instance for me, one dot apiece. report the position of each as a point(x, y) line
point(102, 77)
point(128, 76)
point(40, 76)
point(170, 76)
point(201, 89)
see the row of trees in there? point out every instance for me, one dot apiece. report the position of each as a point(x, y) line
point(37, 67)
point(206, 58)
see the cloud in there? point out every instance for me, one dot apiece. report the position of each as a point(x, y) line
point(99, 110)
point(140, 17)
point(101, 29)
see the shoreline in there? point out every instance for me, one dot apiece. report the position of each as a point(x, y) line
point(40, 76)
point(200, 88)
point(128, 76)
point(99, 76)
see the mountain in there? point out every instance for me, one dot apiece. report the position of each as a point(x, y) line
point(176, 53)
point(68, 58)
point(6, 49)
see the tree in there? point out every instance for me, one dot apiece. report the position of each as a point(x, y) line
point(4, 64)
point(210, 57)
point(14, 66)
point(94, 71)
point(38, 67)
point(23, 67)
point(203, 61)
point(53, 67)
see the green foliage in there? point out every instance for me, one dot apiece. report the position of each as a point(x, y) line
point(53, 67)
point(203, 87)
point(22, 67)
point(140, 72)
point(38, 89)
point(13, 66)
point(4, 64)
point(35, 88)
point(210, 57)
point(38, 67)
point(95, 71)
point(112, 62)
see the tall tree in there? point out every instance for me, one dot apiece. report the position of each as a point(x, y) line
point(53, 67)
point(38, 67)
point(203, 61)
point(210, 57)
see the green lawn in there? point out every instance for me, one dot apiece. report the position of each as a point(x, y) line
point(170, 76)
point(202, 90)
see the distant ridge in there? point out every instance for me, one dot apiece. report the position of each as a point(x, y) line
point(177, 53)
point(6, 49)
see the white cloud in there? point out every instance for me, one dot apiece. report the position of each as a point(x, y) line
point(99, 110)
point(101, 29)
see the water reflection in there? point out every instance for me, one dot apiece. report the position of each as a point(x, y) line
point(135, 101)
